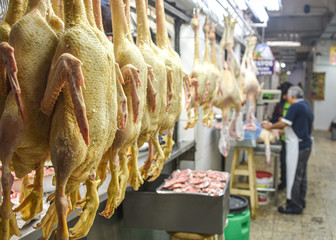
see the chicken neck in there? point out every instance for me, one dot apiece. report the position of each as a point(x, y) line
point(58, 7)
point(161, 28)
point(195, 26)
point(16, 9)
point(89, 13)
point(142, 22)
point(119, 22)
point(74, 15)
point(98, 14)
point(212, 36)
point(206, 29)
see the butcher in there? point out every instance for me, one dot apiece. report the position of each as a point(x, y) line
point(298, 125)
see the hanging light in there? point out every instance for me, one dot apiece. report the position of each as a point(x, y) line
point(272, 5)
point(258, 10)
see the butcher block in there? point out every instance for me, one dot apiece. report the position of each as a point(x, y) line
point(176, 212)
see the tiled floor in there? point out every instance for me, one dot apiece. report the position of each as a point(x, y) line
point(318, 220)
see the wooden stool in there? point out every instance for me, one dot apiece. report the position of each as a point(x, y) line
point(192, 236)
point(246, 189)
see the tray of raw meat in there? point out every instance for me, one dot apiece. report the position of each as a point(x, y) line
point(195, 182)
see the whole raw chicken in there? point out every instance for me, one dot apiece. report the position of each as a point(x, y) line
point(268, 137)
point(134, 70)
point(24, 142)
point(249, 82)
point(84, 120)
point(179, 81)
point(16, 9)
point(160, 79)
point(199, 78)
point(212, 71)
point(227, 93)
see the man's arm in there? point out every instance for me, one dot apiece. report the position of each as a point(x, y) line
point(278, 125)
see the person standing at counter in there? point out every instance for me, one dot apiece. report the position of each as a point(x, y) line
point(279, 112)
point(298, 126)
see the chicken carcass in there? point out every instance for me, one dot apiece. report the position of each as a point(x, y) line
point(16, 9)
point(212, 71)
point(268, 137)
point(84, 120)
point(199, 74)
point(25, 146)
point(227, 94)
point(94, 7)
point(179, 81)
point(161, 78)
point(134, 70)
point(249, 82)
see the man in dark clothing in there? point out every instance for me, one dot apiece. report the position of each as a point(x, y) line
point(279, 112)
point(298, 123)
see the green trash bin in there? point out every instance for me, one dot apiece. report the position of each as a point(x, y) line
point(238, 227)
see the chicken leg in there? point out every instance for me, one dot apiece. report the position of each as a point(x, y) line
point(89, 204)
point(33, 203)
point(118, 184)
point(8, 141)
point(135, 178)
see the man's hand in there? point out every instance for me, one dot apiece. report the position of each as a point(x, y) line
point(266, 125)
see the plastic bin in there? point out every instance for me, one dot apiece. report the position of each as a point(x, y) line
point(238, 227)
point(264, 180)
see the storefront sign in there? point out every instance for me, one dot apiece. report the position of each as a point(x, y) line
point(317, 86)
point(264, 60)
point(332, 56)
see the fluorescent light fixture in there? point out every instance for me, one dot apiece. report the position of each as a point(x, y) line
point(241, 4)
point(272, 5)
point(283, 44)
point(283, 65)
point(258, 10)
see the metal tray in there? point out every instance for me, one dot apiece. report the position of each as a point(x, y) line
point(161, 190)
point(175, 212)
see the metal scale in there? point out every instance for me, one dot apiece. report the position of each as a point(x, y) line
point(265, 97)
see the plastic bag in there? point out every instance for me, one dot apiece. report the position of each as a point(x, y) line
point(224, 141)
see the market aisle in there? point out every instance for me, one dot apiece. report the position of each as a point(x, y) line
point(318, 219)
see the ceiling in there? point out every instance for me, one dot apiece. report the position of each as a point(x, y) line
point(291, 23)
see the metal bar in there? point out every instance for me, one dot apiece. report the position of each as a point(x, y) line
point(266, 189)
point(173, 11)
point(239, 15)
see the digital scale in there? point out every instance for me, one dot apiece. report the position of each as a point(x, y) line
point(269, 96)
point(266, 96)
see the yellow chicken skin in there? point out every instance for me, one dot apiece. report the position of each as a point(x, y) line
point(173, 62)
point(212, 72)
point(24, 139)
point(84, 120)
point(134, 71)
